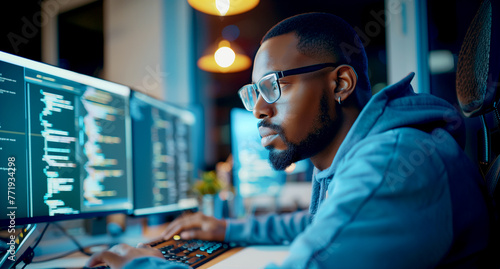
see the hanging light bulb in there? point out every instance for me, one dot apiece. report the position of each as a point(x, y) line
point(224, 58)
point(223, 7)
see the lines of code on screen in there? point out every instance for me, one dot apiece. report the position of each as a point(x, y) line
point(163, 163)
point(69, 140)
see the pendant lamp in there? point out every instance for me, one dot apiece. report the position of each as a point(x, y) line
point(223, 7)
point(224, 57)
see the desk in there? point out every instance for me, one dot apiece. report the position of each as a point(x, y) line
point(132, 237)
point(254, 257)
point(78, 260)
point(220, 258)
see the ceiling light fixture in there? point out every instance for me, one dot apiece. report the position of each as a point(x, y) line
point(223, 7)
point(224, 57)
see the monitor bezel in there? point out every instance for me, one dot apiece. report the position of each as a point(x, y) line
point(100, 84)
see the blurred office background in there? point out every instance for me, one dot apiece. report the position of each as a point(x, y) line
point(154, 46)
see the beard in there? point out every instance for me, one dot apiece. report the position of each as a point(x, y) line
point(324, 129)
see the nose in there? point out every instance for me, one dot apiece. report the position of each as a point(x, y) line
point(263, 109)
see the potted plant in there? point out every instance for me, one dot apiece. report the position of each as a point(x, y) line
point(206, 188)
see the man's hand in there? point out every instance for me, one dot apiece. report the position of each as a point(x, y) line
point(119, 255)
point(196, 226)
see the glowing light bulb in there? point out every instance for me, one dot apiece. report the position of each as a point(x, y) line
point(224, 56)
point(222, 6)
point(227, 58)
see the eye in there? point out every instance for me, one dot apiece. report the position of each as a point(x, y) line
point(284, 84)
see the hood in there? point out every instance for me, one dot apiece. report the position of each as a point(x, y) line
point(395, 106)
point(398, 106)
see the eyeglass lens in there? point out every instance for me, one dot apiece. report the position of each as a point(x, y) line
point(269, 88)
point(249, 96)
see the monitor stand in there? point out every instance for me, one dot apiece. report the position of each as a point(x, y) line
point(20, 246)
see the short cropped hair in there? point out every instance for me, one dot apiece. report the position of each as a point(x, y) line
point(326, 35)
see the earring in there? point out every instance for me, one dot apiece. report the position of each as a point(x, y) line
point(340, 101)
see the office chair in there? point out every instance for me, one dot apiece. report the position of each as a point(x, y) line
point(477, 84)
point(477, 87)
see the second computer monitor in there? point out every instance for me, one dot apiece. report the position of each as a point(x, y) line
point(164, 148)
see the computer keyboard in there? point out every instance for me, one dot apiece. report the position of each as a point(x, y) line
point(193, 252)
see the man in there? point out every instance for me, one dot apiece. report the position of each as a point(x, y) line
point(392, 186)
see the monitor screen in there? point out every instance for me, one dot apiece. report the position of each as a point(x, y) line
point(164, 149)
point(65, 145)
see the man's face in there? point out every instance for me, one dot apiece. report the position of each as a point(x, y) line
point(304, 120)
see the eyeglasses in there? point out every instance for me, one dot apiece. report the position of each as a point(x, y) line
point(269, 85)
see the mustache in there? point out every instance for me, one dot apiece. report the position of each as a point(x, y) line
point(275, 127)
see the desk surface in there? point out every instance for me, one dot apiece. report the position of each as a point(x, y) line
point(78, 260)
point(220, 258)
point(242, 258)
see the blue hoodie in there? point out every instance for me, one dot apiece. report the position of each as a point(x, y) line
point(400, 193)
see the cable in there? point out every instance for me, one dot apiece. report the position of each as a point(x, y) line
point(30, 251)
point(64, 254)
point(80, 248)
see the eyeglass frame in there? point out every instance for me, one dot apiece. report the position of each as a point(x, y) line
point(282, 74)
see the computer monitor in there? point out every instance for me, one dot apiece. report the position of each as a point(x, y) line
point(165, 140)
point(252, 173)
point(65, 144)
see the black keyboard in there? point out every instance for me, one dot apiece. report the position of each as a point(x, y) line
point(191, 252)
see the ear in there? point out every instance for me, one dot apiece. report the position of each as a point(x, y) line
point(345, 80)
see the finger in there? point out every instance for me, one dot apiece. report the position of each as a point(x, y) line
point(142, 245)
point(106, 256)
point(120, 249)
point(170, 228)
point(187, 223)
point(149, 251)
point(153, 252)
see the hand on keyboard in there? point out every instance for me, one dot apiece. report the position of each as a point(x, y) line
point(119, 255)
point(196, 226)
